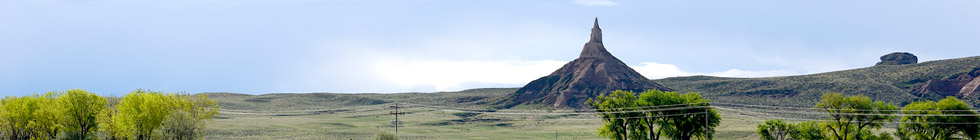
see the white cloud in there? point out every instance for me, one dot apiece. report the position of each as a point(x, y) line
point(594, 2)
point(654, 70)
point(446, 75)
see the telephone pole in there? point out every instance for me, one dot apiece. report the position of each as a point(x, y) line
point(396, 113)
point(707, 111)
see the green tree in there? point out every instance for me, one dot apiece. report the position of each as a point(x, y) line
point(618, 125)
point(775, 130)
point(80, 109)
point(30, 117)
point(46, 118)
point(808, 130)
point(140, 112)
point(851, 116)
point(16, 114)
point(192, 115)
point(180, 125)
point(654, 100)
point(677, 116)
point(949, 118)
point(107, 126)
point(78, 114)
point(690, 123)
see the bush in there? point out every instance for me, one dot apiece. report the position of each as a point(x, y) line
point(385, 136)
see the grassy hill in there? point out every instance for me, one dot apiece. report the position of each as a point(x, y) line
point(307, 101)
point(891, 83)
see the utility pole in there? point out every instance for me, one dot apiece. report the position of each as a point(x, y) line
point(706, 112)
point(396, 113)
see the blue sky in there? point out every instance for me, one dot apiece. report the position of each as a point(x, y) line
point(112, 47)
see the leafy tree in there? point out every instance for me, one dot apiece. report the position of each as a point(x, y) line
point(678, 116)
point(80, 109)
point(46, 118)
point(868, 135)
point(949, 118)
point(30, 117)
point(779, 130)
point(17, 114)
point(686, 124)
point(809, 130)
point(618, 125)
point(108, 128)
point(180, 125)
point(78, 114)
point(655, 119)
point(140, 112)
point(190, 118)
point(853, 115)
point(775, 130)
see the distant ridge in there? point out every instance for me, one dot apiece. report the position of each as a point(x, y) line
point(899, 84)
point(595, 72)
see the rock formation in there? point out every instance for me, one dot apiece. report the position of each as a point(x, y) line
point(960, 85)
point(898, 58)
point(595, 72)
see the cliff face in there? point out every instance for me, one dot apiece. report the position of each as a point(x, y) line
point(595, 72)
point(960, 85)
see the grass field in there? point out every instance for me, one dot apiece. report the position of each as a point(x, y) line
point(363, 122)
point(442, 115)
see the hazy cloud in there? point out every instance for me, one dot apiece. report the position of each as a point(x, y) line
point(446, 75)
point(594, 2)
point(654, 70)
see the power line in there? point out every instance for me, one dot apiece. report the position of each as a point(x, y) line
point(866, 114)
point(821, 109)
point(803, 119)
point(580, 113)
point(576, 110)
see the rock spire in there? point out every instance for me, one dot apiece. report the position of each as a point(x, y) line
point(594, 47)
point(596, 72)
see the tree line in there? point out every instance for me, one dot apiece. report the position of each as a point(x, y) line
point(653, 114)
point(854, 118)
point(79, 114)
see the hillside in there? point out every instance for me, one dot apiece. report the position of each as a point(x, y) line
point(308, 101)
point(891, 83)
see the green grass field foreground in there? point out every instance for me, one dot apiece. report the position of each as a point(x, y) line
point(443, 115)
point(421, 122)
point(462, 115)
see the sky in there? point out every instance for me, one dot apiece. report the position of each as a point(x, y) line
point(112, 47)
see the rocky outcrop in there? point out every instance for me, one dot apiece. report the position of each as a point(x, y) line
point(595, 72)
point(960, 85)
point(898, 58)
